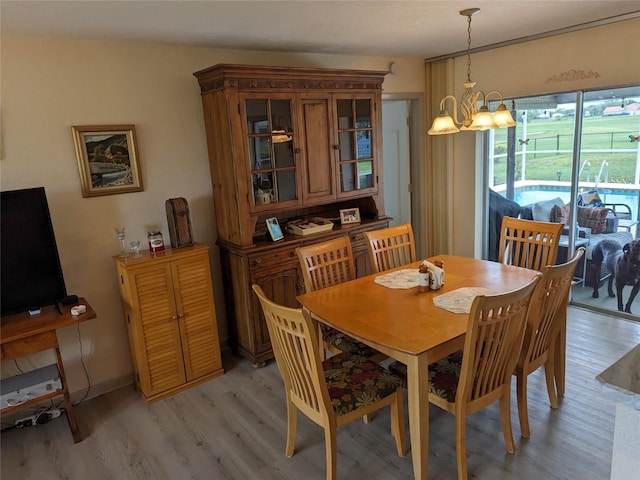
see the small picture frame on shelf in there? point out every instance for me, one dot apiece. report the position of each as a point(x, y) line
point(274, 230)
point(349, 215)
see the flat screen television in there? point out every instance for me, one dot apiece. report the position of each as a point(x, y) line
point(31, 275)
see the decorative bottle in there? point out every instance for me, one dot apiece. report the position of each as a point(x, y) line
point(423, 278)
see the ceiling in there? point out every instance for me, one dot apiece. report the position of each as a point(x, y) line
point(417, 29)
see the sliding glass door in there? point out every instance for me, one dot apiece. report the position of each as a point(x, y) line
point(573, 158)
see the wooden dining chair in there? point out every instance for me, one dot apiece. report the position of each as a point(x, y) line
point(326, 264)
point(541, 332)
point(332, 392)
point(475, 377)
point(529, 244)
point(391, 247)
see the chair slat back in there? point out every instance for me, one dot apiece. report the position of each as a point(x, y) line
point(295, 347)
point(391, 247)
point(492, 344)
point(548, 297)
point(529, 244)
point(326, 264)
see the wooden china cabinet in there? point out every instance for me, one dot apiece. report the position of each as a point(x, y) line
point(288, 143)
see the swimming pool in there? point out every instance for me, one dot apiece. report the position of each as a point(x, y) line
point(527, 194)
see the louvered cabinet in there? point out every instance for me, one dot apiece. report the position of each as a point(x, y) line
point(167, 299)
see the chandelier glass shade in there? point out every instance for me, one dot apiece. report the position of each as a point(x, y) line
point(472, 117)
point(278, 133)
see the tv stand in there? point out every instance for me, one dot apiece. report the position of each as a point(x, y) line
point(22, 334)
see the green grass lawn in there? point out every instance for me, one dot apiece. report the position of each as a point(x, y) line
point(600, 138)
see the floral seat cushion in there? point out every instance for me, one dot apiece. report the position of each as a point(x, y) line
point(354, 381)
point(443, 375)
point(399, 369)
point(345, 343)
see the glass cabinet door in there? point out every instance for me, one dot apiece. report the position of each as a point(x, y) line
point(271, 153)
point(356, 143)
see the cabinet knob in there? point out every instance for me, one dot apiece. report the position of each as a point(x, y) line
point(175, 317)
point(257, 261)
point(336, 147)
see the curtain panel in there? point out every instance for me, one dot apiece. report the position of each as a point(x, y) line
point(439, 77)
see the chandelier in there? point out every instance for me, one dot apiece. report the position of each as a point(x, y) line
point(474, 119)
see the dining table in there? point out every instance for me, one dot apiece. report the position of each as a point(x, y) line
point(406, 324)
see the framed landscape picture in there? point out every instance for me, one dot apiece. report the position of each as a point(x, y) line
point(107, 158)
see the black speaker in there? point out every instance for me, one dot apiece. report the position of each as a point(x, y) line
point(70, 300)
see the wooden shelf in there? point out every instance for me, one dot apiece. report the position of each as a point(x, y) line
point(21, 325)
point(23, 334)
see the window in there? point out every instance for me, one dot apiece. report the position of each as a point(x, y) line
point(578, 145)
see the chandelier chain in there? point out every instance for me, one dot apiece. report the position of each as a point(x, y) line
point(474, 117)
point(469, 48)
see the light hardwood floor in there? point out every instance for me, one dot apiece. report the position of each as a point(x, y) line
point(233, 427)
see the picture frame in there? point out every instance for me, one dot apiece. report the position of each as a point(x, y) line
point(107, 158)
point(349, 215)
point(274, 230)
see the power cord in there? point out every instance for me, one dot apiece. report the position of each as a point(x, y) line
point(84, 367)
point(41, 416)
point(15, 360)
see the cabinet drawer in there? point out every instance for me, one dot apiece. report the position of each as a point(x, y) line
point(273, 257)
point(357, 239)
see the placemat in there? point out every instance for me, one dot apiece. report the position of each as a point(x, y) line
point(460, 300)
point(406, 278)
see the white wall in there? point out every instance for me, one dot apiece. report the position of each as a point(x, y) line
point(50, 84)
point(601, 56)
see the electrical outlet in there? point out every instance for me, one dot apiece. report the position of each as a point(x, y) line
point(26, 422)
point(39, 419)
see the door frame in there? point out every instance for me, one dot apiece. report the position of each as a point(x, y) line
point(417, 169)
